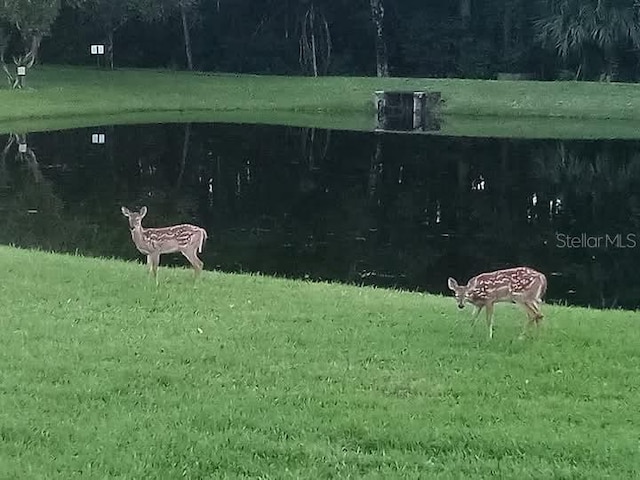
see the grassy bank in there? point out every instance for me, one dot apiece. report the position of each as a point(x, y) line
point(63, 97)
point(105, 375)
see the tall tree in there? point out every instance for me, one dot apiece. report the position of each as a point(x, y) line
point(32, 19)
point(108, 16)
point(161, 10)
point(581, 29)
point(315, 40)
point(186, 8)
point(4, 42)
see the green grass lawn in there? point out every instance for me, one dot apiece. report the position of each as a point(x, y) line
point(64, 97)
point(105, 375)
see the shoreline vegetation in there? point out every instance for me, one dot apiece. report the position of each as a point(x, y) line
point(105, 373)
point(60, 97)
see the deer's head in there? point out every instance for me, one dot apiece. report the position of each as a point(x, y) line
point(459, 291)
point(135, 218)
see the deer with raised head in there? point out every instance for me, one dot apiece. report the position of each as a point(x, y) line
point(153, 242)
point(522, 285)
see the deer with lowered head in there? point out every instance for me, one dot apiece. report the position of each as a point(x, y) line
point(522, 285)
point(153, 242)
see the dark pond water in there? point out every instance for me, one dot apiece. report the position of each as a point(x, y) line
point(394, 210)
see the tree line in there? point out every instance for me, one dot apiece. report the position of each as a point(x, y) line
point(542, 39)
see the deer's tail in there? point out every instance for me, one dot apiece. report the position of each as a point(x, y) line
point(542, 290)
point(203, 238)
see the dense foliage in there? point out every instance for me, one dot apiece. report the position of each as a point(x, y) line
point(545, 39)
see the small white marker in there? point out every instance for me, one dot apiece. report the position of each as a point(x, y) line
point(98, 138)
point(97, 49)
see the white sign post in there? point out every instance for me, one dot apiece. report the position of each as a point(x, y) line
point(98, 138)
point(98, 51)
point(21, 70)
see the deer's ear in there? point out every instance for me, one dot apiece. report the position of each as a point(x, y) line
point(143, 211)
point(125, 211)
point(451, 282)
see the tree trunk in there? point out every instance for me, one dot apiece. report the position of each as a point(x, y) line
point(382, 61)
point(36, 39)
point(327, 33)
point(185, 153)
point(4, 41)
point(27, 60)
point(578, 71)
point(110, 47)
point(3, 49)
point(375, 168)
point(187, 36)
point(315, 46)
point(3, 160)
point(286, 19)
point(506, 31)
point(313, 42)
point(465, 12)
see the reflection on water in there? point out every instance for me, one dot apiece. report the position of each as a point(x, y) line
point(392, 210)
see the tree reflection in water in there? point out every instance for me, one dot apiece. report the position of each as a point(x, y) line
point(393, 210)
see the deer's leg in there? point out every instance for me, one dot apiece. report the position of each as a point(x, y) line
point(537, 300)
point(489, 311)
point(536, 307)
point(476, 313)
point(534, 310)
point(530, 317)
point(154, 258)
point(533, 315)
point(194, 260)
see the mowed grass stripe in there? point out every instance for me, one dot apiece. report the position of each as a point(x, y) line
point(60, 97)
